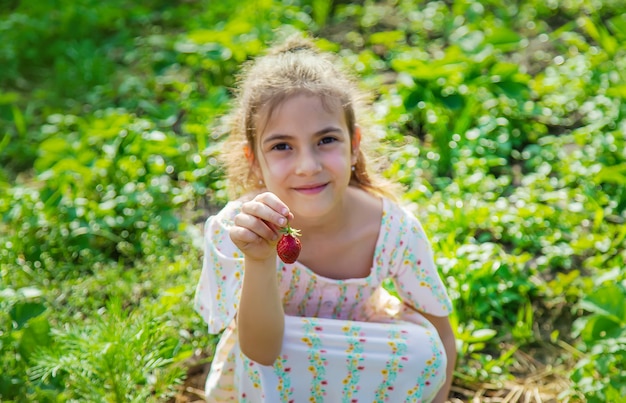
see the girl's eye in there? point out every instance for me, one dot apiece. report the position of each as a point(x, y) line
point(281, 147)
point(328, 140)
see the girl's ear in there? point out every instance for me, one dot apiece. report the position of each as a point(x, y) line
point(247, 151)
point(252, 161)
point(356, 143)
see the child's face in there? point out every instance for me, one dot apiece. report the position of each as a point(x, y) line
point(305, 155)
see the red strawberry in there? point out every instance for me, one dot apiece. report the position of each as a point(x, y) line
point(289, 246)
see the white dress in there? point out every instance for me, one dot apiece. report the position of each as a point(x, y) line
point(345, 340)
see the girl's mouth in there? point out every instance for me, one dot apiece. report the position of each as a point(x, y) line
point(311, 189)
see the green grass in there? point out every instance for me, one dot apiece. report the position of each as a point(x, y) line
point(504, 123)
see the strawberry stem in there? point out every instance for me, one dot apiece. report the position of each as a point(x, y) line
point(288, 230)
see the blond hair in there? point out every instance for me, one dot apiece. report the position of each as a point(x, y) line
point(296, 66)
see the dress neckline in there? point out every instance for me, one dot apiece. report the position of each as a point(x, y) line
point(377, 250)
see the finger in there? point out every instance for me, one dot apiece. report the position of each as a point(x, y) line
point(257, 226)
point(243, 237)
point(263, 211)
point(272, 201)
point(290, 217)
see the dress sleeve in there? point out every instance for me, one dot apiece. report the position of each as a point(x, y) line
point(219, 288)
point(416, 278)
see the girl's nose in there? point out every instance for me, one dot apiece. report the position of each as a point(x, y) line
point(308, 163)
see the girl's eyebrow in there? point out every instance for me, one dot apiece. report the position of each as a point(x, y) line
point(279, 136)
point(276, 137)
point(329, 129)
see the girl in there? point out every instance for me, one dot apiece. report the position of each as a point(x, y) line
point(322, 329)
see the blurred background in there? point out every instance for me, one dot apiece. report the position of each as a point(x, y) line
point(505, 122)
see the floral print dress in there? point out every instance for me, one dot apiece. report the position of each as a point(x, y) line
point(345, 340)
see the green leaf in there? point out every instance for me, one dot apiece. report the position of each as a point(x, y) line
point(618, 26)
point(453, 101)
point(607, 301)
point(22, 312)
point(36, 334)
point(321, 11)
point(503, 38)
point(612, 174)
point(617, 91)
point(513, 89)
point(482, 335)
point(4, 142)
point(428, 71)
point(387, 38)
point(600, 34)
point(464, 120)
point(600, 327)
point(9, 98)
point(504, 70)
point(18, 120)
point(54, 146)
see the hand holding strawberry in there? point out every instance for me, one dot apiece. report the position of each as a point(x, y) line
point(289, 246)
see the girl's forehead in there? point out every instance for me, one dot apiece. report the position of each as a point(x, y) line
point(275, 109)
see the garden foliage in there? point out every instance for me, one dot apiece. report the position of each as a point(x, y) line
point(505, 121)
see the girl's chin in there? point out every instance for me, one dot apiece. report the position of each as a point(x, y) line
point(314, 208)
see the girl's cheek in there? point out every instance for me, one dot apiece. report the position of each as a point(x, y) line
point(277, 167)
point(339, 158)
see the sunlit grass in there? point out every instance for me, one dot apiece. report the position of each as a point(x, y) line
point(505, 123)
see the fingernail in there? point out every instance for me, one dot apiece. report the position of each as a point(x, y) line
point(282, 221)
point(285, 211)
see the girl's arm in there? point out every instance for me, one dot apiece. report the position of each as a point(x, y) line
point(260, 319)
point(442, 324)
point(260, 316)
